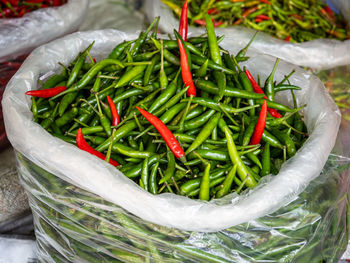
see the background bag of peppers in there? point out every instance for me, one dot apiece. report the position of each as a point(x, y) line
point(317, 54)
point(94, 224)
point(37, 26)
point(19, 36)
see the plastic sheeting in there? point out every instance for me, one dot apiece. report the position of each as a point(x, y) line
point(21, 35)
point(318, 54)
point(121, 15)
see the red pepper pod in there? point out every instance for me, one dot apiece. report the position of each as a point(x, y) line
point(167, 135)
point(83, 145)
point(263, 17)
point(185, 71)
point(260, 126)
point(115, 115)
point(203, 23)
point(183, 27)
point(274, 113)
point(47, 93)
point(266, 2)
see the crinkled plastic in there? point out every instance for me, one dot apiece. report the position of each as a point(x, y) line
point(21, 35)
point(74, 225)
point(117, 15)
point(318, 54)
point(87, 172)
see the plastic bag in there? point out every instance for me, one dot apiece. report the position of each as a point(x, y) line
point(321, 115)
point(7, 70)
point(22, 35)
point(74, 225)
point(318, 54)
point(121, 15)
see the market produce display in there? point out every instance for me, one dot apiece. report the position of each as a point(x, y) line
point(204, 134)
point(18, 8)
point(7, 70)
point(337, 81)
point(291, 20)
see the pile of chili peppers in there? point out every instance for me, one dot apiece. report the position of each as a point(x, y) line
point(7, 70)
point(291, 20)
point(337, 81)
point(17, 8)
point(204, 133)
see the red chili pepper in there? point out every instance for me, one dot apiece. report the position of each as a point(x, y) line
point(83, 145)
point(217, 23)
point(263, 17)
point(237, 22)
point(202, 22)
point(56, 2)
point(13, 2)
point(94, 60)
point(213, 11)
point(274, 113)
point(115, 115)
point(12, 64)
point(260, 126)
point(185, 71)
point(22, 12)
point(183, 27)
point(265, 1)
point(258, 20)
point(328, 10)
point(167, 135)
point(249, 11)
point(299, 17)
point(287, 38)
point(46, 93)
point(7, 12)
point(34, 1)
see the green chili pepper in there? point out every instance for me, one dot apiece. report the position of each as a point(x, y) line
point(170, 171)
point(269, 86)
point(144, 174)
point(266, 161)
point(205, 132)
point(199, 121)
point(231, 92)
point(67, 117)
point(167, 54)
point(118, 50)
point(241, 168)
point(84, 81)
point(142, 38)
point(153, 187)
point(205, 182)
point(226, 186)
point(165, 96)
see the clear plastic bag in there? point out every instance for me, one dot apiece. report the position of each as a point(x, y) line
point(55, 181)
point(74, 225)
point(121, 15)
point(21, 35)
point(318, 54)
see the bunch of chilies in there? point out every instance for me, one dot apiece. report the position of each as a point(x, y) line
point(291, 20)
point(204, 134)
point(7, 70)
point(17, 8)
